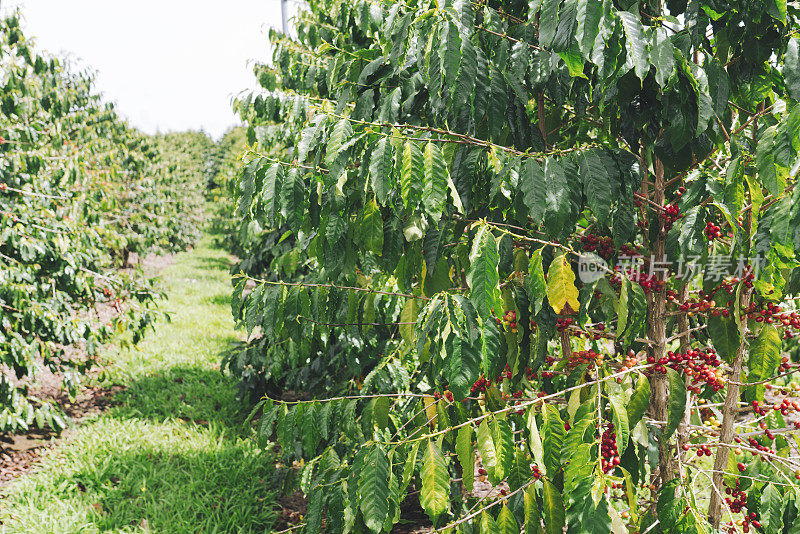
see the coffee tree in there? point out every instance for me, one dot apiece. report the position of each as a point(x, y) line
point(79, 191)
point(529, 263)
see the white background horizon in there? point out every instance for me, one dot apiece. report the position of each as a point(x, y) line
point(170, 65)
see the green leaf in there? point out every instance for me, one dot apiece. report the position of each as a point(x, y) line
point(267, 423)
point(451, 54)
point(340, 134)
point(408, 318)
point(482, 277)
point(373, 489)
point(596, 184)
point(677, 402)
point(532, 514)
point(504, 447)
point(506, 522)
point(309, 430)
point(411, 175)
point(436, 178)
point(534, 189)
point(535, 442)
point(622, 308)
point(770, 174)
point(639, 402)
point(557, 201)
point(316, 502)
point(487, 448)
point(576, 437)
point(489, 344)
point(552, 437)
point(390, 107)
point(310, 136)
point(488, 525)
point(463, 365)
point(535, 285)
point(435, 494)
point(771, 510)
point(270, 195)
point(620, 419)
point(589, 14)
point(293, 203)
point(705, 106)
point(380, 169)
point(636, 43)
point(561, 290)
point(410, 465)
point(466, 456)
point(372, 228)
point(548, 22)
point(777, 9)
point(553, 508)
point(468, 70)
point(662, 54)
point(791, 69)
point(764, 354)
point(718, 85)
point(724, 334)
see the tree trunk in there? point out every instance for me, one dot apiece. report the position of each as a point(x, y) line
point(657, 334)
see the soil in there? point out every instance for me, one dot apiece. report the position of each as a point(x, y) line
point(19, 453)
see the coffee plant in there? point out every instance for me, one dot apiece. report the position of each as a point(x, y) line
point(529, 264)
point(79, 192)
point(222, 166)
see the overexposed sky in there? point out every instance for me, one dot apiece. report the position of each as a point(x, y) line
point(168, 64)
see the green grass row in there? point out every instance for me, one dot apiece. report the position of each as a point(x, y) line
point(173, 456)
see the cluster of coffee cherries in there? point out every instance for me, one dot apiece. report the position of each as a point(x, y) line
point(704, 306)
point(772, 313)
point(3, 187)
point(738, 499)
point(637, 274)
point(585, 356)
point(702, 450)
point(713, 231)
point(701, 365)
point(509, 321)
point(628, 251)
point(630, 360)
point(564, 323)
point(602, 245)
point(751, 519)
point(482, 383)
point(671, 214)
point(537, 473)
point(447, 395)
point(754, 443)
point(608, 450)
point(785, 407)
point(531, 374)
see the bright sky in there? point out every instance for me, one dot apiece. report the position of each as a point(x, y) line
point(168, 64)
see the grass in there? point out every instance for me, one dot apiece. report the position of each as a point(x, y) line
point(173, 456)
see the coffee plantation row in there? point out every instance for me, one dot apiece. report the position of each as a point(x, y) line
point(81, 193)
point(530, 265)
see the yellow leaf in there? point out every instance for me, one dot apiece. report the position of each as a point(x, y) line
point(430, 409)
point(561, 288)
